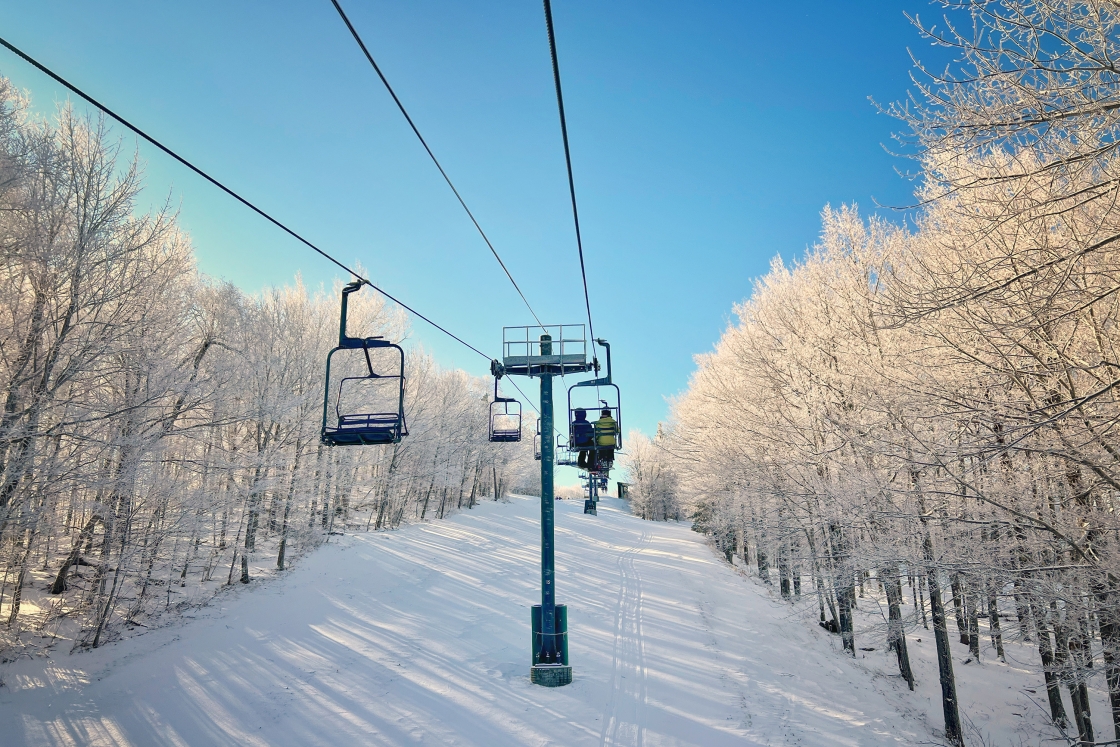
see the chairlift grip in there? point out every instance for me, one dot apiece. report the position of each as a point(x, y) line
point(604, 381)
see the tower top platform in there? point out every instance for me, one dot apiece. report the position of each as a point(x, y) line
point(553, 350)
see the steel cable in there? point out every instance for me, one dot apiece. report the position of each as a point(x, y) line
point(567, 158)
point(230, 192)
point(74, 89)
point(446, 178)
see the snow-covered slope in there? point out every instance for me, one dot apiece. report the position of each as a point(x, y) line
point(421, 636)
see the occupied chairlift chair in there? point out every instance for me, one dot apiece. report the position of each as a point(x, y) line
point(505, 418)
point(368, 402)
point(612, 404)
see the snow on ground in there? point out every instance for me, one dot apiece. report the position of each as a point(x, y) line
point(1001, 702)
point(421, 637)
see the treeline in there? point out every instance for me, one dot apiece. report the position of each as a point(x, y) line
point(932, 410)
point(159, 430)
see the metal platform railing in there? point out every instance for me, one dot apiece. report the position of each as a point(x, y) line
point(524, 353)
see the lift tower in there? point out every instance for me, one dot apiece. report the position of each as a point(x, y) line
point(545, 352)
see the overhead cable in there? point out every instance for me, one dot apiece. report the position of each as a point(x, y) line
point(230, 192)
point(567, 157)
point(446, 178)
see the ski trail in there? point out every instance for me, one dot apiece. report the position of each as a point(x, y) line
point(623, 723)
point(421, 637)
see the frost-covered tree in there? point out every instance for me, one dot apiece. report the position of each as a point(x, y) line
point(934, 407)
point(653, 487)
point(159, 435)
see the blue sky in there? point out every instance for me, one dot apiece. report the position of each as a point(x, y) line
point(706, 138)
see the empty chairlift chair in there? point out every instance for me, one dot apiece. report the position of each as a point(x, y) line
point(364, 400)
point(505, 418)
point(564, 455)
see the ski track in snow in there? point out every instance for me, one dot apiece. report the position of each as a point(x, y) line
point(623, 718)
point(421, 637)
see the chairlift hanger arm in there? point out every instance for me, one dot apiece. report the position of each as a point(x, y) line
point(601, 381)
point(498, 397)
point(344, 341)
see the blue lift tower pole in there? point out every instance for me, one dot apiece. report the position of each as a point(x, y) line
point(550, 646)
point(548, 527)
point(525, 354)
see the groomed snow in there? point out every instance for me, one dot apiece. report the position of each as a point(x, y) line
point(421, 637)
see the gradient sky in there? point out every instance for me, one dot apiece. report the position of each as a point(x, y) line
point(706, 138)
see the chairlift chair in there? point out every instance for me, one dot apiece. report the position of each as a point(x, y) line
point(564, 456)
point(364, 404)
point(505, 418)
point(599, 472)
point(607, 397)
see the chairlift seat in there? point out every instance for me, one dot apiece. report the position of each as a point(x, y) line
point(364, 430)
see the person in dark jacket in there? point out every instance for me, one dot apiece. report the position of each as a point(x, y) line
point(582, 436)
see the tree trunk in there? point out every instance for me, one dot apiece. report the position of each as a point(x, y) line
point(783, 569)
point(795, 569)
point(1049, 668)
point(971, 605)
point(1108, 619)
point(1081, 657)
point(1065, 656)
point(993, 620)
point(958, 608)
point(1022, 612)
point(442, 502)
point(896, 634)
point(761, 557)
point(427, 497)
point(288, 507)
point(845, 586)
point(949, 704)
point(922, 584)
point(17, 590)
point(75, 555)
point(953, 733)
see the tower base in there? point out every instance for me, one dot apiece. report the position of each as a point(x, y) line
point(550, 675)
